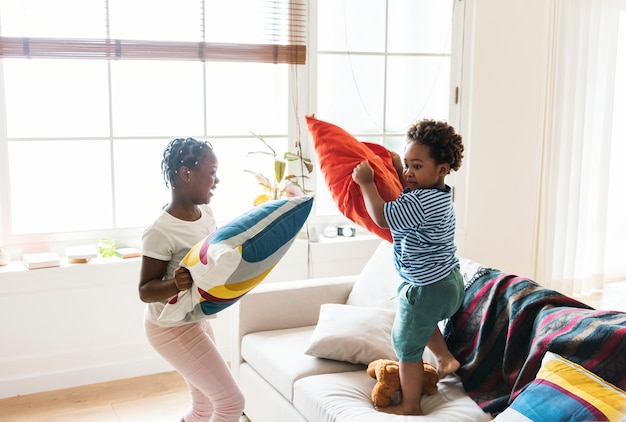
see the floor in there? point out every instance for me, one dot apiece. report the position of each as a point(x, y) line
point(160, 397)
point(152, 398)
point(613, 297)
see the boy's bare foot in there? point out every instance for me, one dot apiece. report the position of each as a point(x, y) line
point(447, 367)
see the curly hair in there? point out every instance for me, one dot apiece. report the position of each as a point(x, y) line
point(182, 152)
point(446, 146)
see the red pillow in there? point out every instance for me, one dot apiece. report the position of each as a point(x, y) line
point(338, 153)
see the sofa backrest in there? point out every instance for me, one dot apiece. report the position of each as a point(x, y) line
point(376, 286)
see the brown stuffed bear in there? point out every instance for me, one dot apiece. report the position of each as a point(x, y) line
point(386, 372)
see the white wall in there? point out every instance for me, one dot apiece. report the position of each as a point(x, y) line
point(505, 70)
point(70, 326)
point(82, 323)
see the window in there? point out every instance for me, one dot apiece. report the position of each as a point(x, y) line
point(381, 66)
point(82, 137)
point(89, 104)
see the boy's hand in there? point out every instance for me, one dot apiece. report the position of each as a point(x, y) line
point(363, 173)
point(396, 160)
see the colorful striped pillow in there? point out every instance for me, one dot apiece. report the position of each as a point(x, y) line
point(235, 258)
point(565, 391)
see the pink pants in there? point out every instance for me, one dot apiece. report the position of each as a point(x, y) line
point(191, 349)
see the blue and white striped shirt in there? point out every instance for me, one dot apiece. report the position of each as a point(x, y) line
point(422, 224)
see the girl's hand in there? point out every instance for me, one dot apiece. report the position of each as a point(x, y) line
point(363, 173)
point(182, 279)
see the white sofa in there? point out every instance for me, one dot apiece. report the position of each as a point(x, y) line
point(276, 323)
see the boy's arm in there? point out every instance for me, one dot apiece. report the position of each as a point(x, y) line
point(363, 175)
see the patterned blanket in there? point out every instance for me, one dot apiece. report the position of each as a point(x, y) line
point(507, 323)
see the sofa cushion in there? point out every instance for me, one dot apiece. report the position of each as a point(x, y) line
point(376, 286)
point(470, 269)
point(346, 397)
point(263, 400)
point(353, 334)
point(378, 282)
point(278, 356)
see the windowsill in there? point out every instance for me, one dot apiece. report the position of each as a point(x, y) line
point(359, 236)
point(16, 266)
point(17, 269)
point(16, 279)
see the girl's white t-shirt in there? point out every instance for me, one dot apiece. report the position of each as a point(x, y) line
point(169, 239)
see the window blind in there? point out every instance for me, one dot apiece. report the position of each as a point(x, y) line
point(248, 30)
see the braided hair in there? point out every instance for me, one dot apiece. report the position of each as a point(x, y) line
point(182, 152)
point(445, 144)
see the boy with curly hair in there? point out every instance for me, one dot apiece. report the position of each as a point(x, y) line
point(422, 224)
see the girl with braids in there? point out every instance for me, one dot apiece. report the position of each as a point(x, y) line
point(189, 168)
point(422, 225)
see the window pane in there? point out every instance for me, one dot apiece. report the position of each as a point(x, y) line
point(59, 186)
point(236, 21)
point(153, 98)
point(351, 25)
point(324, 204)
point(350, 92)
point(237, 189)
point(46, 18)
point(56, 98)
point(396, 143)
point(171, 20)
point(140, 190)
point(420, 26)
point(417, 87)
point(246, 97)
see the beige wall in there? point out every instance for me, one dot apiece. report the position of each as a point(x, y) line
point(505, 73)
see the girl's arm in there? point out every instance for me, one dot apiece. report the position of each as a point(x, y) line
point(152, 286)
point(363, 175)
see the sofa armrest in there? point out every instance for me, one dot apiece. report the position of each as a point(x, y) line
point(281, 305)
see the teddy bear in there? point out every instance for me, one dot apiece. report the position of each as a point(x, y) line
point(386, 372)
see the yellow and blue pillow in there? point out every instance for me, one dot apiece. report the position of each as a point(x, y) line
point(235, 258)
point(565, 391)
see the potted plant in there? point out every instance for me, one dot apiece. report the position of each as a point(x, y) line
point(281, 185)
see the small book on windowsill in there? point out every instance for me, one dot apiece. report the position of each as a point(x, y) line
point(80, 254)
point(41, 260)
point(125, 253)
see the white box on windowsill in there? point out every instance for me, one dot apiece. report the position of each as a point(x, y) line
point(80, 254)
point(41, 260)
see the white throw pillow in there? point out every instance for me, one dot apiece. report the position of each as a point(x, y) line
point(352, 334)
point(377, 284)
point(469, 269)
